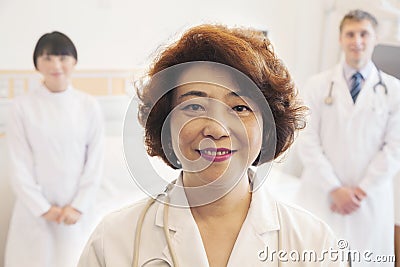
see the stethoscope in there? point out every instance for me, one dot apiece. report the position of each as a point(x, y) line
point(329, 98)
point(139, 227)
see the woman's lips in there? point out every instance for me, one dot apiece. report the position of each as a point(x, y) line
point(216, 154)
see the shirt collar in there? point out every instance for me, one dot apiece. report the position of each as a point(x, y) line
point(263, 211)
point(348, 71)
point(43, 90)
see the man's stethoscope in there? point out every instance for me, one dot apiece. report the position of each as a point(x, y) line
point(329, 98)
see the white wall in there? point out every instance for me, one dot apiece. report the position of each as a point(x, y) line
point(124, 33)
point(387, 13)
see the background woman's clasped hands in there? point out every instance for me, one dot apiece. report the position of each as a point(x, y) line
point(67, 215)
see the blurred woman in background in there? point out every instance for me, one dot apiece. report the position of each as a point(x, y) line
point(55, 137)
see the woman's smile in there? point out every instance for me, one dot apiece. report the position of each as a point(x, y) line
point(216, 154)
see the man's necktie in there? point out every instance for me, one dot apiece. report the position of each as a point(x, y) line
point(356, 85)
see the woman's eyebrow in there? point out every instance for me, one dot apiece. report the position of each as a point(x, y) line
point(193, 93)
point(239, 94)
point(233, 93)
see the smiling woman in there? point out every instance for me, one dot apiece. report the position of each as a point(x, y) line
point(217, 102)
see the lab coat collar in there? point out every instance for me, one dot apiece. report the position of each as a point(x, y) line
point(341, 89)
point(262, 212)
point(262, 218)
point(44, 91)
point(369, 72)
point(365, 71)
point(178, 210)
point(338, 77)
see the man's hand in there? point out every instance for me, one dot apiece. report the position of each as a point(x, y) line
point(346, 200)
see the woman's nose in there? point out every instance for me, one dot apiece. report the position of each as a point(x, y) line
point(56, 63)
point(215, 129)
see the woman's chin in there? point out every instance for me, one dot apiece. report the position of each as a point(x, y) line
point(218, 173)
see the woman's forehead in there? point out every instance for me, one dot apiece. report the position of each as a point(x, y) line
point(219, 76)
point(202, 89)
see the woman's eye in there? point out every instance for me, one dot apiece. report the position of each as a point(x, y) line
point(193, 107)
point(241, 108)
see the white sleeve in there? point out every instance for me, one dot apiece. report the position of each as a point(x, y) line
point(92, 172)
point(23, 180)
point(385, 163)
point(310, 146)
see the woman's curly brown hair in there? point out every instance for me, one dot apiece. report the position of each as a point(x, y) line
point(245, 50)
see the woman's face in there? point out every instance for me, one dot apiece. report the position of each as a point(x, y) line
point(56, 70)
point(214, 130)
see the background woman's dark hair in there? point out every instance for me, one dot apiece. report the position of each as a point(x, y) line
point(243, 49)
point(54, 43)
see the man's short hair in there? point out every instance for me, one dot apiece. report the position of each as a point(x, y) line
point(359, 15)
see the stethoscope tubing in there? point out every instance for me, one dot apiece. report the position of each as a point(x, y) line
point(138, 233)
point(329, 98)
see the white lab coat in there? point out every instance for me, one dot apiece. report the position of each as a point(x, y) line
point(353, 145)
point(396, 189)
point(56, 144)
point(269, 224)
